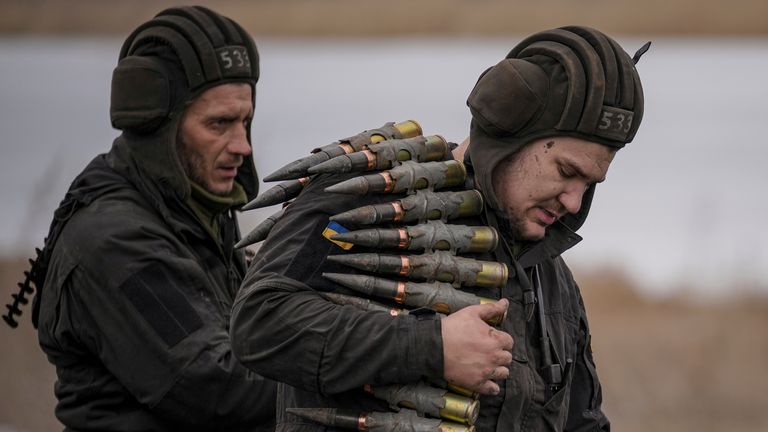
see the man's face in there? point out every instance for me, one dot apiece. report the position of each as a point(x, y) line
point(212, 140)
point(546, 180)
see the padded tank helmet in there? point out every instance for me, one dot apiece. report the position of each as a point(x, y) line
point(571, 81)
point(164, 64)
point(172, 58)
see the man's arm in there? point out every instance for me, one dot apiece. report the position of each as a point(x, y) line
point(283, 328)
point(149, 315)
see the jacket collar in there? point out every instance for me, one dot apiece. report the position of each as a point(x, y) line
point(558, 239)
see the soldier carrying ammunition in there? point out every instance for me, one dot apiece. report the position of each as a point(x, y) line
point(546, 124)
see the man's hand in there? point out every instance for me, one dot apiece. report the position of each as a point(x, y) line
point(475, 353)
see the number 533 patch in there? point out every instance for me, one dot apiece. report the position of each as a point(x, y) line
point(234, 60)
point(615, 123)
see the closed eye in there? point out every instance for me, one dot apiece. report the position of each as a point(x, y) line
point(567, 172)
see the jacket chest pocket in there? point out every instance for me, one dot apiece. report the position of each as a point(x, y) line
point(515, 325)
point(563, 333)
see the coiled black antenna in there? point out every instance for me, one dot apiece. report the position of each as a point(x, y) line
point(26, 289)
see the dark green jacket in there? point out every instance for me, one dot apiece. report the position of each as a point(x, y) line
point(135, 308)
point(325, 353)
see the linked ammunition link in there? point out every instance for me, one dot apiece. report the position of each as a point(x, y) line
point(440, 266)
point(363, 304)
point(430, 236)
point(407, 177)
point(298, 168)
point(420, 207)
point(440, 297)
point(416, 165)
point(428, 400)
point(388, 154)
point(405, 420)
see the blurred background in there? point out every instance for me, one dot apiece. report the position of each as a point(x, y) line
point(674, 264)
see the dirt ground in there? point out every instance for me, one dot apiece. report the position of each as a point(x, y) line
point(665, 365)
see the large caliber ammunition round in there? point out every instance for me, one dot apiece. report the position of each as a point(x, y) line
point(460, 409)
point(409, 128)
point(424, 205)
point(440, 266)
point(433, 235)
point(492, 274)
point(471, 203)
point(484, 239)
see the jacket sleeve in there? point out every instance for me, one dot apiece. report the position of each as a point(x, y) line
point(146, 311)
point(284, 329)
point(585, 412)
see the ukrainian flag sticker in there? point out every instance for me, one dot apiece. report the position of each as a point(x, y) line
point(334, 228)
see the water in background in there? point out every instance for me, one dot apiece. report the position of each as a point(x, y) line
point(683, 204)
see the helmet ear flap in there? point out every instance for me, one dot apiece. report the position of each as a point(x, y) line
point(145, 76)
point(509, 96)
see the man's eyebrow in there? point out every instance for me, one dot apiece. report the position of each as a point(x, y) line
point(581, 173)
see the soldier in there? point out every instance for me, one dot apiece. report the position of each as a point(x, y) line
point(139, 271)
point(546, 124)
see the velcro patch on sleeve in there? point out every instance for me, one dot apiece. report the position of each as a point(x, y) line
point(160, 301)
point(334, 228)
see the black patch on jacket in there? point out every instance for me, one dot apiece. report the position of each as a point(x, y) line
point(162, 304)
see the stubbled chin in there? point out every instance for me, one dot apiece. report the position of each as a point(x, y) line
point(533, 232)
point(221, 188)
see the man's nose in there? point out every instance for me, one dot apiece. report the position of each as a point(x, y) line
point(571, 197)
point(239, 143)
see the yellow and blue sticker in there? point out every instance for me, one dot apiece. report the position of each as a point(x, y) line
point(334, 228)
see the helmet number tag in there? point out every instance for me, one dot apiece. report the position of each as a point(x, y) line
point(233, 60)
point(615, 123)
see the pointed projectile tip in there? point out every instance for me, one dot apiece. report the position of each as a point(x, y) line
point(319, 415)
point(359, 216)
point(362, 261)
point(347, 237)
point(356, 186)
point(365, 237)
point(272, 196)
point(278, 194)
point(252, 238)
point(293, 170)
point(340, 259)
point(337, 298)
point(341, 418)
point(261, 231)
point(347, 280)
point(253, 204)
point(258, 234)
point(339, 164)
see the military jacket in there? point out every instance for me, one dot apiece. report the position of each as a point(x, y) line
point(323, 353)
point(135, 311)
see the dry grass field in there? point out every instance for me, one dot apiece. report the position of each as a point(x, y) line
point(665, 365)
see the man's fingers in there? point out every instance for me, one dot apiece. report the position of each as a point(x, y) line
point(489, 388)
point(499, 373)
point(492, 310)
point(503, 338)
point(503, 358)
